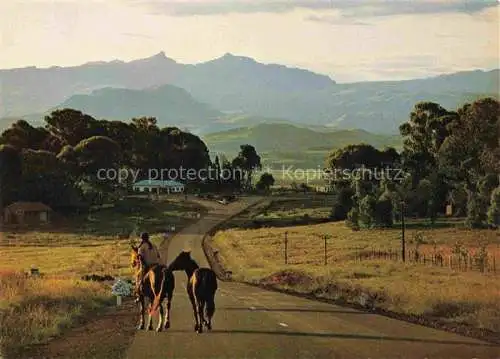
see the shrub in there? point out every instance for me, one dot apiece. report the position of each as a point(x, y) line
point(352, 220)
point(342, 203)
point(494, 208)
point(384, 211)
point(367, 211)
point(474, 215)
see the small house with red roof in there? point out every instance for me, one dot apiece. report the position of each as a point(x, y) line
point(27, 213)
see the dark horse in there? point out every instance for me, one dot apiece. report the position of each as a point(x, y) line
point(201, 288)
point(158, 283)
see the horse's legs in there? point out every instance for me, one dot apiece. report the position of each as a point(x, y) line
point(161, 318)
point(167, 315)
point(201, 306)
point(210, 311)
point(141, 306)
point(150, 316)
point(195, 310)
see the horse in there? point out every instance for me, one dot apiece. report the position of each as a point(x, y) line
point(158, 284)
point(201, 288)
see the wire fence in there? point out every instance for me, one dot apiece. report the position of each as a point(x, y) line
point(465, 261)
point(325, 252)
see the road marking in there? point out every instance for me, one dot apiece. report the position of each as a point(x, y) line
point(283, 324)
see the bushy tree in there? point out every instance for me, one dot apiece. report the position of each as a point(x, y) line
point(10, 173)
point(342, 203)
point(383, 211)
point(352, 220)
point(247, 161)
point(265, 182)
point(494, 208)
point(475, 217)
point(367, 211)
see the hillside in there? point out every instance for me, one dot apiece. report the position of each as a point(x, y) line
point(169, 104)
point(238, 84)
point(291, 144)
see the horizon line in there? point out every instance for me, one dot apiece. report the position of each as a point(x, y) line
point(161, 54)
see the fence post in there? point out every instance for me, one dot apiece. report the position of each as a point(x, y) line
point(326, 260)
point(403, 244)
point(286, 247)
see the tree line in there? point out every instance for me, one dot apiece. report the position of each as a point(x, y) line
point(58, 163)
point(448, 158)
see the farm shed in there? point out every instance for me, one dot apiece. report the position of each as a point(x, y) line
point(26, 213)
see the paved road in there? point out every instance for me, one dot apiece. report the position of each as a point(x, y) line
point(254, 323)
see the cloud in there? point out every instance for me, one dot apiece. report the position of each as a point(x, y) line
point(378, 8)
point(337, 20)
point(348, 8)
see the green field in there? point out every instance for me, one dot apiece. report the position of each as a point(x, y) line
point(286, 144)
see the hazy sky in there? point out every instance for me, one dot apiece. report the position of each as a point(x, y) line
point(349, 40)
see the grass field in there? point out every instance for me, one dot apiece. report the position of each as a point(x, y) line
point(450, 296)
point(34, 309)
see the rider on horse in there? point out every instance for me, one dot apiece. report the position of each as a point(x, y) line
point(150, 256)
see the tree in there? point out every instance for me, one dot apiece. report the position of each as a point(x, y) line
point(342, 203)
point(474, 216)
point(367, 211)
point(352, 220)
point(70, 126)
point(423, 136)
point(494, 208)
point(22, 135)
point(44, 179)
point(10, 173)
point(217, 169)
point(69, 159)
point(355, 156)
point(383, 211)
point(472, 149)
point(97, 153)
point(248, 161)
point(265, 182)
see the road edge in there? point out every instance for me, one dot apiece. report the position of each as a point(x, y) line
point(211, 255)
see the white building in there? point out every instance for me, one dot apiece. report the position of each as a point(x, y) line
point(158, 186)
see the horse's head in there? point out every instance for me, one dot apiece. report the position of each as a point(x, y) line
point(182, 261)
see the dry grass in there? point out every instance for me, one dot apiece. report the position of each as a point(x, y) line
point(313, 206)
point(460, 297)
point(34, 309)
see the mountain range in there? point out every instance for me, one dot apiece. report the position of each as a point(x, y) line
point(206, 97)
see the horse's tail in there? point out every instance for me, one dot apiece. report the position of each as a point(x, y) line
point(157, 295)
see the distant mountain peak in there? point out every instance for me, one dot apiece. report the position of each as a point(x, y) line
point(158, 57)
point(231, 57)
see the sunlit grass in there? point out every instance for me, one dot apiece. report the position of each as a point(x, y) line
point(470, 297)
point(34, 309)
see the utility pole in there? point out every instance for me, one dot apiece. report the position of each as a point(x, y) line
point(326, 257)
point(286, 247)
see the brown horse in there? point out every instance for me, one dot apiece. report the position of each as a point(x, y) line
point(201, 288)
point(158, 283)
